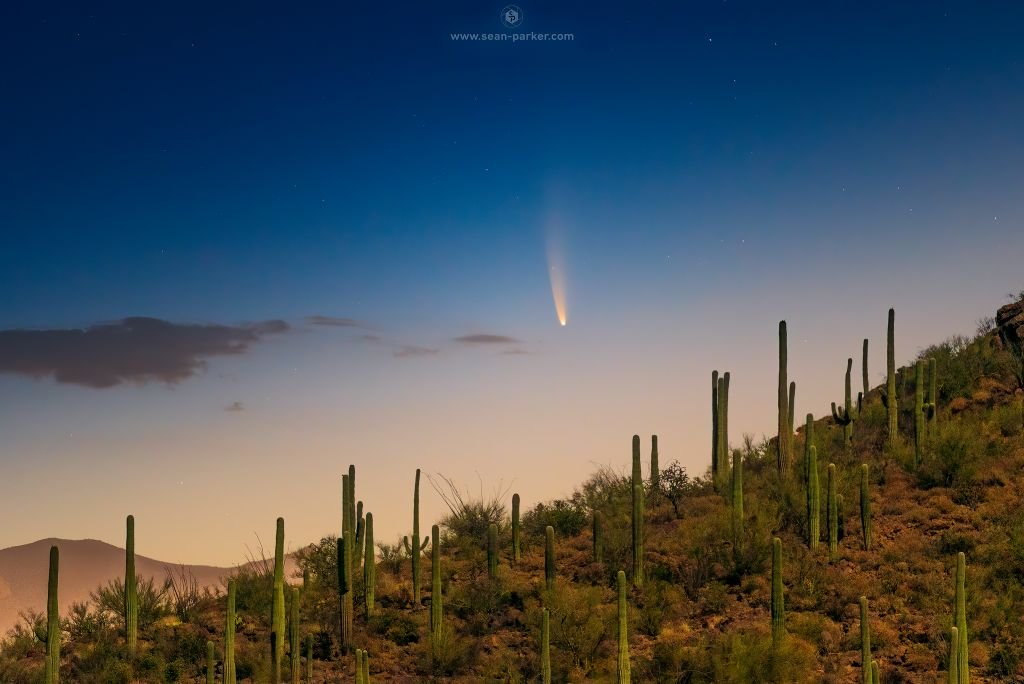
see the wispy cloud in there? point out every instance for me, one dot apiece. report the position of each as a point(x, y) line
point(412, 350)
point(235, 407)
point(133, 350)
point(515, 352)
point(486, 338)
point(333, 321)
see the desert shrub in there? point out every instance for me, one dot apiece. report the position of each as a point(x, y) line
point(394, 626)
point(446, 652)
point(469, 516)
point(391, 557)
point(676, 486)
point(85, 624)
point(714, 597)
point(652, 608)
point(479, 601)
point(153, 603)
point(567, 517)
point(953, 457)
point(747, 657)
point(1009, 418)
point(580, 627)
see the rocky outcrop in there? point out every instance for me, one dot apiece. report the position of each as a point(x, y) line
point(1010, 324)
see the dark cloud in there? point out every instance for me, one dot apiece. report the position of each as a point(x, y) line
point(482, 338)
point(516, 352)
point(235, 406)
point(411, 350)
point(137, 350)
point(333, 322)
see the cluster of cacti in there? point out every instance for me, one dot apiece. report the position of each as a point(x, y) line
point(362, 667)
point(623, 631)
point(597, 536)
point(516, 549)
point(436, 600)
point(865, 642)
point(865, 507)
point(960, 619)
point(813, 500)
point(277, 621)
point(889, 394)
point(719, 427)
point(415, 547)
point(737, 499)
point(492, 551)
point(545, 647)
point(637, 514)
point(778, 603)
point(131, 589)
point(783, 441)
point(294, 642)
point(211, 663)
point(549, 557)
point(849, 413)
point(833, 513)
point(53, 620)
point(229, 636)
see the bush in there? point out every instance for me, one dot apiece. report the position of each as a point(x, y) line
point(953, 458)
point(394, 626)
point(567, 517)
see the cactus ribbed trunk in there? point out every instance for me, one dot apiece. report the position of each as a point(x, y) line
point(638, 536)
point(864, 368)
point(436, 599)
point(790, 410)
point(53, 619)
point(345, 594)
point(963, 667)
point(545, 647)
point(848, 405)
point(808, 443)
point(782, 443)
point(933, 397)
point(369, 568)
point(737, 499)
point(277, 620)
point(636, 476)
point(415, 550)
point(865, 642)
point(714, 427)
point(294, 643)
point(891, 401)
point(516, 549)
point(723, 426)
point(655, 472)
point(597, 537)
point(492, 551)
point(865, 507)
point(211, 663)
point(876, 675)
point(360, 522)
point(778, 602)
point(131, 589)
point(229, 636)
point(953, 662)
point(813, 501)
point(833, 513)
point(359, 666)
point(309, 658)
point(623, 631)
point(549, 557)
point(919, 416)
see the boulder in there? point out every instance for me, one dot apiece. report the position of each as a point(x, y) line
point(1010, 324)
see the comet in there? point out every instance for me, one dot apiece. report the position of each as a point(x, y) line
point(556, 272)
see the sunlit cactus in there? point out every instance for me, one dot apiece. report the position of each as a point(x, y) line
point(369, 568)
point(813, 501)
point(623, 630)
point(782, 443)
point(277, 619)
point(131, 591)
point(229, 635)
point(865, 507)
point(953, 660)
point(211, 663)
point(516, 550)
point(53, 620)
point(865, 642)
point(960, 619)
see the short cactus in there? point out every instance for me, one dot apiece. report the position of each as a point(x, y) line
point(865, 642)
point(436, 600)
point(737, 498)
point(516, 549)
point(889, 394)
point(623, 631)
point(924, 412)
point(655, 473)
point(813, 501)
point(360, 523)
point(369, 568)
point(549, 557)
point(211, 663)
point(778, 603)
point(865, 507)
point(345, 594)
point(953, 660)
point(846, 416)
point(864, 369)
point(782, 443)
point(53, 620)
point(294, 643)
point(792, 403)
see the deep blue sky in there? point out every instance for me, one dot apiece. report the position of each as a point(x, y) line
point(709, 167)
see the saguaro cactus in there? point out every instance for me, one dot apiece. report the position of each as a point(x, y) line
point(415, 549)
point(919, 411)
point(808, 443)
point(360, 670)
point(737, 498)
point(636, 477)
point(623, 677)
point(933, 396)
point(791, 410)
point(876, 675)
point(277, 621)
point(960, 616)
point(436, 600)
point(360, 523)
point(638, 536)
point(813, 501)
point(889, 395)
point(953, 661)
point(865, 642)
point(782, 444)
point(545, 647)
point(516, 551)
point(846, 415)
point(229, 636)
point(778, 603)
point(865, 506)
point(492, 551)
point(345, 594)
point(833, 513)
point(864, 368)
point(723, 424)
point(53, 620)
point(309, 658)
point(714, 426)
point(294, 643)
point(598, 537)
point(549, 557)
point(211, 663)
point(369, 568)
point(655, 474)
point(131, 590)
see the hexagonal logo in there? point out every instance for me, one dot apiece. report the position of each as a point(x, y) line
point(511, 16)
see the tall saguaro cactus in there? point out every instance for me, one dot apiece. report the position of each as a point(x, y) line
point(782, 444)
point(833, 513)
point(436, 600)
point(346, 551)
point(516, 550)
point(131, 589)
point(953, 661)
point(865, 642)
point(623, 632)
point(415, 550)
point(636, 476)
point(549, 557)
point(813, 501)
point(229, 636)
point(778, 603)
point(638, 535)
point(277, 620)
point(846, 416)
point(53, 619)
point(864, 368)
point(545, 647)
point(960, 617)
point(294, 643)
point(655, 473)
point(737, 498)
point(714, 426)
point(791, 411)
point(723, 424)
point(369, 568)
point(933, 396)
point(808, 443)
point(865, 507)
point(889, 395)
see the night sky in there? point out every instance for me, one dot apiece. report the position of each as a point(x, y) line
point(245, 245)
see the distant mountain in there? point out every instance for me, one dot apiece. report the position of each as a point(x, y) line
point(85, 564)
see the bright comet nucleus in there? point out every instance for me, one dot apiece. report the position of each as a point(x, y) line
point(556, 271)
